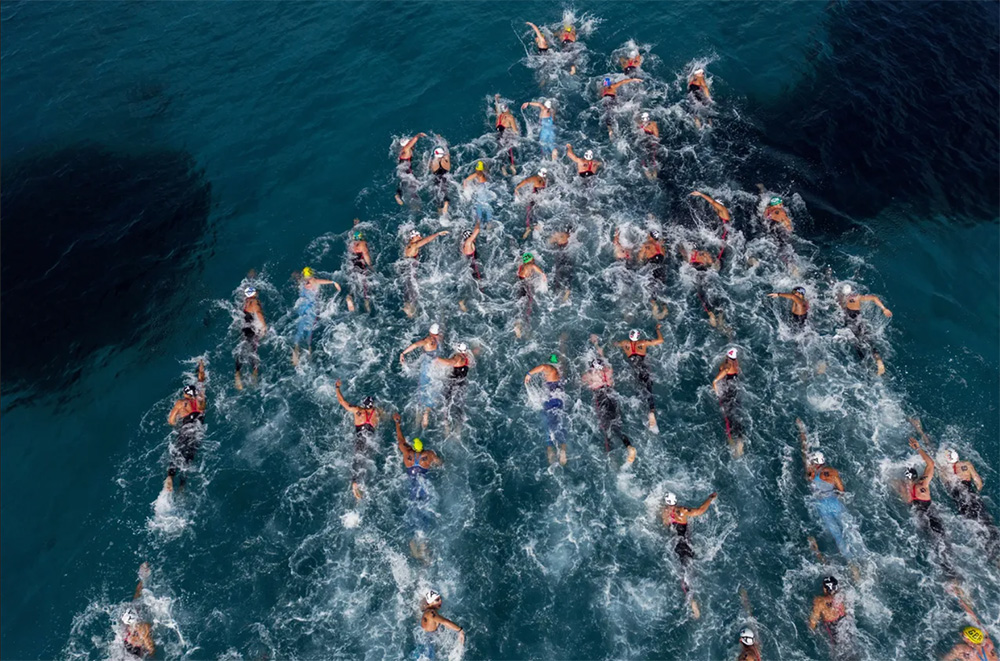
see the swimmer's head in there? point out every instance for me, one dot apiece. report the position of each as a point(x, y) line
point(595, 364)
point(633, 53)
point(588, 155)
point(607, 82)
point(414, 234)
point(190, 391)
point(973, 634)
point(732, 353)
point(846, 290)
point(633, 334)
point(432, 598)
point(438, 152)
point(368, 402)
point(129, 618)
point(817, 458)
point(526, 257)
point(462, 347)
point(548, 104)
point(644, 116)
point(250, 292)
point(830, 584)
point(801, 291)
point(358, 235)
point(655, 234)
point(543, 173)
point(467, 234)
point(670, 499)
point(747, 636)
point(951, 455)
point(568, 228)
point(307, 272)
point(480, 166)
point(568, 28)
point(418, 445)
point(698, 72)
point(435, 329)
point(775, 201)
point(403, 139)
point(554, 359)
point(911, 474)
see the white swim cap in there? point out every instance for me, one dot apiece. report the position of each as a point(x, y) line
point(588, 155)
point(633, 53)
point(817, 458)
point(548, 104)
point(403, 139)
point(438, 152)
point(129, 618)
point(670, 498)
point(435, 329)
point(845, 290)
point(250, 292)
point(698, 72)
point(951, 455)
point(746, 636)
point(645, 116)
point(542, 172)
point(732, 353)
point(414, 234)
point(432, 597)
point(503, 107)
point(633, 334)
point(462, 347)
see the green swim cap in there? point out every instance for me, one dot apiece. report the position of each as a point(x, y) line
point(358, 235)
point(554, 359)
point(527, 258)
point(418, 445)
point(775, 201)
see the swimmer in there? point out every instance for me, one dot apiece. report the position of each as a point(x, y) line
point(526, 271)
point(431, 344)
point(553, 410)
point(719, 208)
point(505, 126)
point(826, 486)
point(700, 260)
point(586, 166)
point(253, 330)
point(188, 416)
point(137, 638)
point(306, 309)
point(851, 302)
point(677, 516)
point(405, 161)
point(749, 650)
point(469, 249)
point(775, 212)
point(609, 91)
point(417, 462)
point(412, 254)
point(431, 621)
point(361, 263)
point(440, 166)
point(976, 644)
point(455, 385)
point(916, 490)
point(599, 379)
point(540, 41)
point(729, 399)
point(366, 419)
point(631, 63)
point(537, 182)
point(829, 609)
point(964, 484)
point(635, 352)
point(649, 137)
point(481, 208)
point(703, 261)
point(800, 306)
point(559, 240)
point(699, 93)
point(547, 131)
point(567, 38)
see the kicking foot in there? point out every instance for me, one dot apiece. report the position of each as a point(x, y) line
point(461, 306)
point(630, 454)
point(550, 454)
point(239, 382)
point(168, 484)
point(695, 611)
point(879, 367)
point(399, 199)
point(562, 455)
point(652, 423)
point(821, 368)
point(356, 490)
point(295, 357)
point(350, 303)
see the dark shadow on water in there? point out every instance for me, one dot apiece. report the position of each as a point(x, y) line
point(94, 248)
point(900, 104)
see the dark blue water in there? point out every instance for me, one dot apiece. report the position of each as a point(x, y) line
point(153, 154)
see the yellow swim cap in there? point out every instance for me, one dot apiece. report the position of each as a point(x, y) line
point(307, 272)
point(569, 28)
point(973, 634)
point(480, 167)
point(418, 445)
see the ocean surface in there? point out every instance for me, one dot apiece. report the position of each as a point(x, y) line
point(153, 154)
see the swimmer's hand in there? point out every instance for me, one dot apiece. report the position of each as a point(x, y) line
point(144, 571)
point(772, 295)
point(914, 444)
point(395, 417)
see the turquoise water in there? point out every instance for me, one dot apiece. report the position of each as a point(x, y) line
point(291, 111)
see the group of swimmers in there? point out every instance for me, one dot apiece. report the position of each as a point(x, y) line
point(651, 253)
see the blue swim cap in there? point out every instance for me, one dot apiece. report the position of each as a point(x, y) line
point(607, 82)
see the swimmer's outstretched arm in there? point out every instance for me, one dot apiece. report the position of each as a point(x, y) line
point(525, 182)
point(659, 337)
point(615, 86)
point(719, 377)
point(343, 402)
point(877, 301)
point(569, 153)
point(595, 340)
point(427, 239)
point(701, 509)
point(400, 439)
point(928, 462)
point(803, 441)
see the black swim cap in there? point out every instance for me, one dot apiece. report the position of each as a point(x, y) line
point(830, 583)
point(367, 402)
point(190, 391)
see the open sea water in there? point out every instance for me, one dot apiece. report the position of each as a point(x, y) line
point(153, 154)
